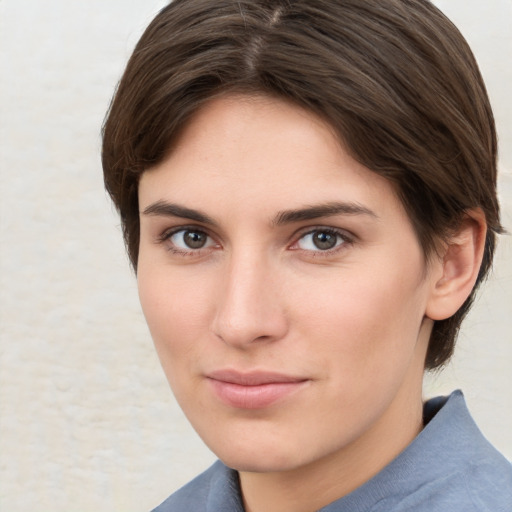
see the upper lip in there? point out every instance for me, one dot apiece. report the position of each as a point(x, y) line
point(252, 378)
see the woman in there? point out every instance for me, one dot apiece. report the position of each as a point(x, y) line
point(307, 191)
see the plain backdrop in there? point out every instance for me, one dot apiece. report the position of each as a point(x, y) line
point(87, 422)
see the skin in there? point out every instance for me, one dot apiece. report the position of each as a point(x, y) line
point(351, 321)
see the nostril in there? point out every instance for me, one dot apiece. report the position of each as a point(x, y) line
point(254, 329)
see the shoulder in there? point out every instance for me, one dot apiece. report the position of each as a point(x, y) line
point(215, 489)
point(485, 475)
point(192, 496)
point(481, 487)
point(488, 484)
point(450, 466)
point(467, 473)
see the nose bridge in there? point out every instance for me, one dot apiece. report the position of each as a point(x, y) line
point(249, 307)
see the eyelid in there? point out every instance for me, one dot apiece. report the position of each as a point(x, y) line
point(166, 235)
point(347, 239)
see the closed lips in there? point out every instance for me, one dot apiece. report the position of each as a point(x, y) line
point(256, 390)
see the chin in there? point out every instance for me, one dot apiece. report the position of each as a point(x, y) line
point(258, 463)
point(254, 457)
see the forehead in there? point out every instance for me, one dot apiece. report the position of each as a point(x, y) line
point(250, 149)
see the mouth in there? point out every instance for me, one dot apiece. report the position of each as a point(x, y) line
point(253, 390)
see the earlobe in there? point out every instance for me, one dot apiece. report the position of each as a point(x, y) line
point(459, 267)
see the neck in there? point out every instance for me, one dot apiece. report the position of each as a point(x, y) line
point(323, 481)
point(314, 486)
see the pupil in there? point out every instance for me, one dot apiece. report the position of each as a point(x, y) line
point(323, 240)
point(194, 239)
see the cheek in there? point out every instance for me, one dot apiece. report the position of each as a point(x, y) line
point(177, 312)
point(367, 323)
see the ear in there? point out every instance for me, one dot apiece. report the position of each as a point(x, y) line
point(457, 270)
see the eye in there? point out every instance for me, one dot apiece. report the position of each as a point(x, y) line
point(321, 240)
point(189, 239)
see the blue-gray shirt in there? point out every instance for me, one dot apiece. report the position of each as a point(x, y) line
point(449, 467)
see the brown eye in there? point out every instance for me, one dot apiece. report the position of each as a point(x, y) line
point(195, 239)
point(324, 241)
point(321, 240)
point(190, 239)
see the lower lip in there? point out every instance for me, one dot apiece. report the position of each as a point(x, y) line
point(254, 397)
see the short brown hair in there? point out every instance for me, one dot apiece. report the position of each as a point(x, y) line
point(394, 78)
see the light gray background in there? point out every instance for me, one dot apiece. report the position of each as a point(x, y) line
point(87, 422)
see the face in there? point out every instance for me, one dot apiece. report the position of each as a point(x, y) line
point(283, 286)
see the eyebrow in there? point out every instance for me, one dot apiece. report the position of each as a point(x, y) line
point(322, 210)
point(165, 209)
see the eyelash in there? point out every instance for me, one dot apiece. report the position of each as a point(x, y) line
point(342, 240)
point(167, 235)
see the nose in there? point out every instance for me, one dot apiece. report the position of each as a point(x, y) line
point(250, 307)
